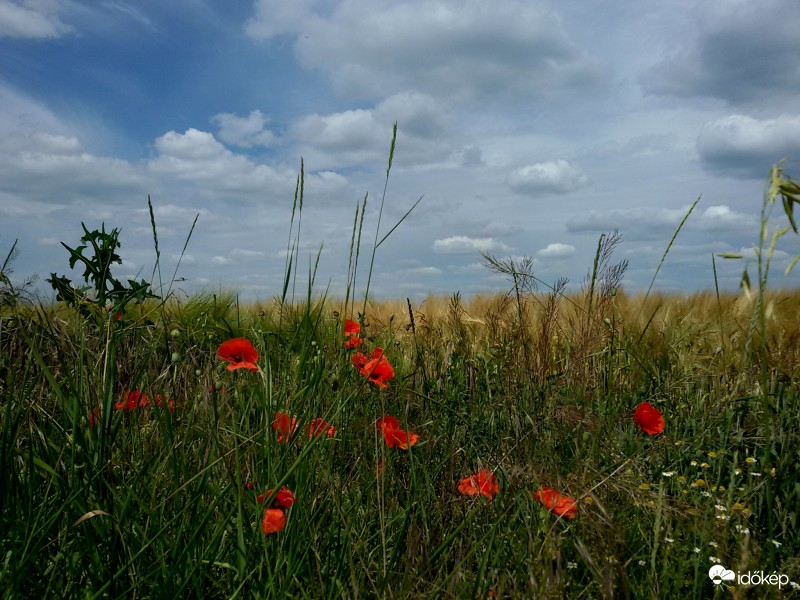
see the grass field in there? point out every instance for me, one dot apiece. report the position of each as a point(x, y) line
point(106, 494)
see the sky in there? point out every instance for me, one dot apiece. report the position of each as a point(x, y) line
point(529, 128)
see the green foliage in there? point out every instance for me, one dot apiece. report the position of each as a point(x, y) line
point(104, 291)
point(103, 497)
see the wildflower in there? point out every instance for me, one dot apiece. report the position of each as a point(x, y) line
point(669, 540)
point(699, 483)
point(642, 563)
point(239, 352)
point(738, 506)
point(94, 416)
point(681, 479)
point(376, 368)
point(353, 342)
point(134, 399)
point(572, 565)
point(563, 506)
point(284, 425)
point(648, 419)
point(274, 520)
point(750, 460)
point(712, 454)
point(644, 486)
point(776, 543)
point(713, 544)
point(351, 328)
point(393, 435)
point(170, 404)
point(667, 473)
point(359, 360)
point(484, 482)
point(284, 498)
point(714, 559)
point(696, 550)
point(317, 426)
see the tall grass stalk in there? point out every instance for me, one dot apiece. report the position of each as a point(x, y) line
point(99, 500)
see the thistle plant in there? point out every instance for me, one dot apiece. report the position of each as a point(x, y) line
point(104, 292)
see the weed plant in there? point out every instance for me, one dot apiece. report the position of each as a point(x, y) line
point(103, 495)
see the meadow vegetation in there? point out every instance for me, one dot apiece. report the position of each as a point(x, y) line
point(139, 458)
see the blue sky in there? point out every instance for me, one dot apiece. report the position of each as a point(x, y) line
point(529, 127)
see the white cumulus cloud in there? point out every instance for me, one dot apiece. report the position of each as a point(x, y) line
point(552, 176)
point(244, 131)
point(556, 250)
point(461, 244)
point(742, 146)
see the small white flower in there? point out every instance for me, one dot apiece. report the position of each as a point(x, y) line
point(723, 518)
point(737, 471)
point(667, 473)
point(714, 559)
point(642, 563)
point(572, 565)
point(794, 585)
point(696, 550)
point(777, 543)
point(693, 463)
point(669, 540)
point(756, 474)
point(750, 460)
point(706, 494)
point(713, 544)
point(720, 508)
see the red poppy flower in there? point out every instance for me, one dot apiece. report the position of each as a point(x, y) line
point(94, 416)
point(648, 419)
point(170, 404)
point(359, 360)
point(239, 352)
point(483, 482)
point(353, 342)
point(134, 399)
point(377, 368)
point(351, 327)
point(563, 506)
point(274, 520)
point(284, 425)
point(283, 499)
point(394, 436)
point(318, 426)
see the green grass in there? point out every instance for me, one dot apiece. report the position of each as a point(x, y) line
point(541, 388)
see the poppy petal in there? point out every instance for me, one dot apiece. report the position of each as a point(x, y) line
point(274, 520)
point(648, 419)
point(239, 352)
